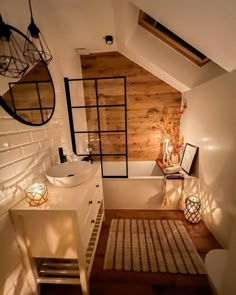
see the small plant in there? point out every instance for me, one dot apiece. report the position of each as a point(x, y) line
point(170, 131)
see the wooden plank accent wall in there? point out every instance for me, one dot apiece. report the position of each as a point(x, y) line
point(149, 101)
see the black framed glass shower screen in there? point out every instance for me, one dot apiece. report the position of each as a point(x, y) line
point(97, 110)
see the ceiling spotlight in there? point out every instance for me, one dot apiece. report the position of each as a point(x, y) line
point(109, 40)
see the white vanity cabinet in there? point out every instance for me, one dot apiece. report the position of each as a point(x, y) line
point(58, 239)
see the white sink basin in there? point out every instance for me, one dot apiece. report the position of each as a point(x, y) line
point(69, 174)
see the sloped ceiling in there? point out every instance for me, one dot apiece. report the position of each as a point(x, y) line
point(70, 24)
point(154, 55)
point(208, 25)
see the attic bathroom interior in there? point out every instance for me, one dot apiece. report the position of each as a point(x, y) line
point(117, 147)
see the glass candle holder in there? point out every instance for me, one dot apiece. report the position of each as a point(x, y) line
point(36, 194)
point(192, 209)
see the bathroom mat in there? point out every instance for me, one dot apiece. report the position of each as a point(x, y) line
point(151, 246)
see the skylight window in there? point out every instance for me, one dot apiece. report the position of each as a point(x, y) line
point(167, 36)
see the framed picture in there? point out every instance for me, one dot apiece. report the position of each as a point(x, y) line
point(189, 155)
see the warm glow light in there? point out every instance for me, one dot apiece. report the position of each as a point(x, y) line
point(217, 215)
point(211, 147)
point(170, 148)
point(166, 144)
point(36, 194)
point(194, 199)
point(192, 209)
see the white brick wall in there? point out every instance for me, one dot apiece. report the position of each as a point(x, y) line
point(26, 152)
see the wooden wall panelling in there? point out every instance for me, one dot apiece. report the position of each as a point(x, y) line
point(113, 143)
point(149, 100)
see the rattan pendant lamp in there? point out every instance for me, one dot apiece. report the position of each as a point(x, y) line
point(39, 50)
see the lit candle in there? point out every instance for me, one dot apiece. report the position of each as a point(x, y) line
point(192, 209)
point(167, 141)
point(36, 194)
point(169, 153)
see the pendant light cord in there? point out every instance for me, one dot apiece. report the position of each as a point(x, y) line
point(31, 13)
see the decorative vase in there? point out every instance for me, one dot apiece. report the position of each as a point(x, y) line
point(166, 158)
point(174, 158)
point(166, 155)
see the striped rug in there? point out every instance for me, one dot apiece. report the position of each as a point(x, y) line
point(151, 246)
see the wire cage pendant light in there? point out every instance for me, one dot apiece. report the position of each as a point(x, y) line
point(37, 49)
point(12, 62)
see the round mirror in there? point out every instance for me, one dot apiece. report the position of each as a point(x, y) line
point(30, 100)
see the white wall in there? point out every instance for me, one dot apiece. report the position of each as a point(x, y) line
point(210, 123)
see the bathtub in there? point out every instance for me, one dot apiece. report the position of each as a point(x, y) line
point(145, 188)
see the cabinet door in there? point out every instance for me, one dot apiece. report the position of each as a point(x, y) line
point(91, 219)
point(88, 201)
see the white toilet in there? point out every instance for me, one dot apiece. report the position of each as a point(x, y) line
point(215, 263)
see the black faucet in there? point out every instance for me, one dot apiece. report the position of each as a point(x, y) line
point(88, 159)
point(61, 155)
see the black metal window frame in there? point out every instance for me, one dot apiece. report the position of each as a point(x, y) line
point(99, 131)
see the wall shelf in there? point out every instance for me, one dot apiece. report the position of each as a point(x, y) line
point(169, 176)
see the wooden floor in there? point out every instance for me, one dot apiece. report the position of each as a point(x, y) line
point(120, 282)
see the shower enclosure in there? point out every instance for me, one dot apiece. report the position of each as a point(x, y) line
point(98, 121)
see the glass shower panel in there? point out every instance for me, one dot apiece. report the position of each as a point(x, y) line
point(110, 91)
point(113, 143)
point(76, 93)
point(98, 121)
point(94, 143)
point(83, 140)
point(114, 166)
point(112, 118)
point(82, 92)
point(85, 119)
point(89, 92)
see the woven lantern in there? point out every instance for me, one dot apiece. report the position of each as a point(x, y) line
point(36, 194)
point(192, 209)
